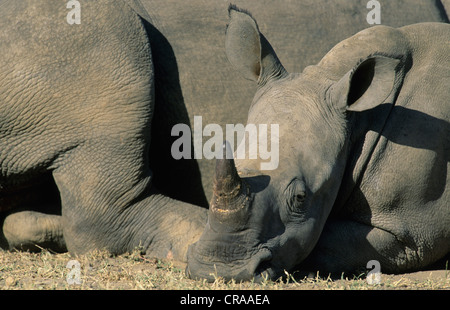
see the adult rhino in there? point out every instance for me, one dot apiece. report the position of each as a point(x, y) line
point(364, 147)
point(76, 105)
point(79, 104)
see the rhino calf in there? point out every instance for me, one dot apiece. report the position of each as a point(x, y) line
point(364, 151)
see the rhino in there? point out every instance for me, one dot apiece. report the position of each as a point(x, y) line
point(196, 80)
point(76, 108)
point(364, 148)
point(86, 112)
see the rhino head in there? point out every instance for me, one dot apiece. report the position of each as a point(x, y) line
point(264, 222)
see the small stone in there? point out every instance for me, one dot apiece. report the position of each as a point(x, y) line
point(10, 281)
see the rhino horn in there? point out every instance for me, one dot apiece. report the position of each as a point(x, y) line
point(228, 193)
point(226, 180)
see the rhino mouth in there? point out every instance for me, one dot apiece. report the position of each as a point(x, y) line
point(203, 265)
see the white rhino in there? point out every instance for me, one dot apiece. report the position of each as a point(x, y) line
point(364, 150)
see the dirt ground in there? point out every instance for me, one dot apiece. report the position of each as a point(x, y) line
point(101, 271)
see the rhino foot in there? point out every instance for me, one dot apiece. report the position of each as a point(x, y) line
point(32, 231)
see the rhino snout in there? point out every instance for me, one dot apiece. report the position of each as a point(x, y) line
point(256, 267)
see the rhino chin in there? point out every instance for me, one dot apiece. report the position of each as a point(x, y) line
point(256, 268)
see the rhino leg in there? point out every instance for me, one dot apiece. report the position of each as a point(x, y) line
point(346, 246)
point(31, 231)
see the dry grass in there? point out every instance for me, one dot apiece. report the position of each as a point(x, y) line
point(101, 271)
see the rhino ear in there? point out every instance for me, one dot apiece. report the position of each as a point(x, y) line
point(372, 82)
point(248, 50)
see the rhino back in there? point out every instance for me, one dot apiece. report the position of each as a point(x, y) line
point(61, 85)
point(198, 80)
point(53, 75)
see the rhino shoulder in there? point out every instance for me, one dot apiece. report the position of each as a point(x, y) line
point(428, 35)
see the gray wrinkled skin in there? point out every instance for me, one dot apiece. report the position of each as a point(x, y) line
point(76, 104)
point(86, 111)
point(364, 149)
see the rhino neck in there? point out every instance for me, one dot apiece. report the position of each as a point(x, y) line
point(365, 143)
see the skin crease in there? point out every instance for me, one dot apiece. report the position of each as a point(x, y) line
point(321, 208)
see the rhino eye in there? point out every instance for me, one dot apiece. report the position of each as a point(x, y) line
point(300, 197)
point(296, 194)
